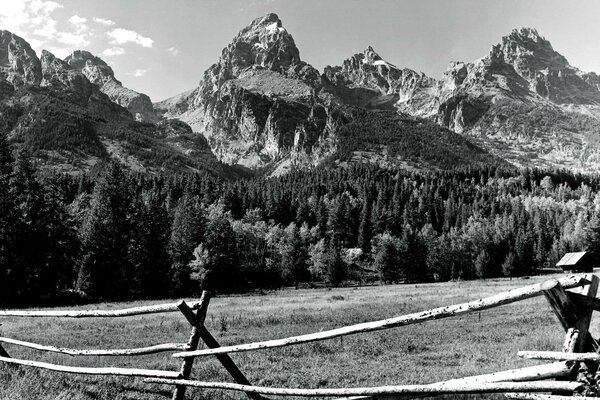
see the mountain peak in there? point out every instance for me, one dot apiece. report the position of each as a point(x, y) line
point(370, 55)
point(18, 62)
point(525, 34)
point(264, 43)
point(95, 68)
point(528, 52)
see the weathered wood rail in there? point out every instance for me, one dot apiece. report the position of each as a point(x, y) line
point(572, 299)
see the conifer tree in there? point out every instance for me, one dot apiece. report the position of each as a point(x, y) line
point(294, 257)
point(104, 236)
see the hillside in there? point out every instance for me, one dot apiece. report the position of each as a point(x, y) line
point(522, 102)
point(70, 124)
point(262, 107)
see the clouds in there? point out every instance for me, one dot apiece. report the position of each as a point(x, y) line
point(105, 22)
point(139, 73)
point(113, 51)
point(27, 16)
point(40, 23)
point(122, 36)
point(173, 50)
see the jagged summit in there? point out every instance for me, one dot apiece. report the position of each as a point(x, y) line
point(102, 75)
point(263, 43)
point(369, 70)
point(96, 69)
point(18, 62)
point(528, 52)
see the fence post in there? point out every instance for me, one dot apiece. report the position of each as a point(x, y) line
point(571, 316)
point(583, 322)
point(3, 352)
point(575, 320)
point(196, 320)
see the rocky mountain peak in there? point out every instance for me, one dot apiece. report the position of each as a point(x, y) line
point(93, 67)
point(102, 75)
point(528, 52)
point(370, 55)
point(18, 62)
point(264, 43)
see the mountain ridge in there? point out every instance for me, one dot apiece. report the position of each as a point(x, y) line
point(70, 124)
point(261, 107)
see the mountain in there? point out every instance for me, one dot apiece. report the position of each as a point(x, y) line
point(261, 106)
point(258, 102)
point(523, 101)
point(70, 122)
point(102, 75)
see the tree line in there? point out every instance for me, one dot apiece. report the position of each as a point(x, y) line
point(119, 235)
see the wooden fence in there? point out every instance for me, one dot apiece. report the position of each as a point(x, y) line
point(572, 298)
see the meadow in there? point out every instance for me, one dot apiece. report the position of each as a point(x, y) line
point(428, 352)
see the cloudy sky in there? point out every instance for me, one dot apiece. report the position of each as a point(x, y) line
point(162, 47)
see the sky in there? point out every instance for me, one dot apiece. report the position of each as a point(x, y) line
point(163, 47)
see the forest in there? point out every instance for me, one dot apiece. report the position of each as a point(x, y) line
point(113, 234)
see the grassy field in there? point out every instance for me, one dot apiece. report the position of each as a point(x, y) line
point(432, 351)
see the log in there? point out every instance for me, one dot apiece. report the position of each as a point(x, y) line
point(569, 315)
point(586, 342)
point(510, 296)
point(540, 396)
point(98, 352)
point(585, 301)
point(533, 373)
point(95, 370)
point(196, 320)
point(563, 307)
point(558, 355)
point(431, 389)
point(527, 374)
point(571, 340)
point(127, 312)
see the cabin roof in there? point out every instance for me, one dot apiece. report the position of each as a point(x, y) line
point(571, 259)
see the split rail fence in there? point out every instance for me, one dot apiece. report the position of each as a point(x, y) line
point(572, 298)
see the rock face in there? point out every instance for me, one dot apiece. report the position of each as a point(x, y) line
point(367, 80)
point(101, 74)
point(52, 109)
point(19, 64)
point(523, 101)
point(259, 102)
point(76, 88)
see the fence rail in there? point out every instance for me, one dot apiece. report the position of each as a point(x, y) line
point(158, 348)
point(126, 312)
point(410, 319)
point(573, 309)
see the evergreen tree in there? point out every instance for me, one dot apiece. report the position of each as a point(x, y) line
point(9, 229)
point(386, 259)
point(365, 230)
point(187, 232)
point(221, 272)
point(593, 239)
point(294, 256)
point(105, 234)
point(335, 270)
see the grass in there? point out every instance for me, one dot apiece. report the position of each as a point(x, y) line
point(436, 350)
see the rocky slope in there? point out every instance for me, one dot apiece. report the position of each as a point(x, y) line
point(69, 124)
point(257, 104)
point(261, 106)
point(523, 101)
point(102, 75)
